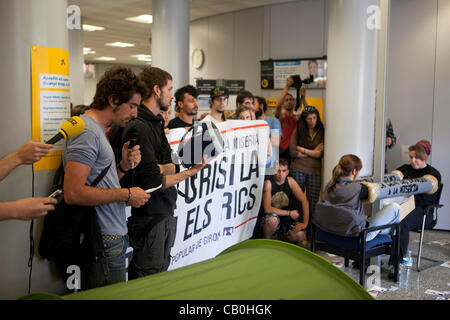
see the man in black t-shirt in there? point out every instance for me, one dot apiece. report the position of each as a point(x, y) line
point(282, 199)
point(187, 103)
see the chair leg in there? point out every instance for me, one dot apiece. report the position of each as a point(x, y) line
point(419, 254)
point(313, 239)
point(362, 271)
point(397, 252)
point(362, 259)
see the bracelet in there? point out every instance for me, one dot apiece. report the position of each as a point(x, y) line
point(129, 194)
point(121, 169)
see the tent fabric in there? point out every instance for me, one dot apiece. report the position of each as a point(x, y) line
point(251, 270)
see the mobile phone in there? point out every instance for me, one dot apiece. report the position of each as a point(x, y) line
point(58, 195)
point(153, 189)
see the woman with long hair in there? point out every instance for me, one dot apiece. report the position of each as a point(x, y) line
point(417, 168)
point(341, 211)
point(306, 150)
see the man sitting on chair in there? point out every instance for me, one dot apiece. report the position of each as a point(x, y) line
point(281, 198)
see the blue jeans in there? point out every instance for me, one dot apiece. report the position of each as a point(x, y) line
point(110, 268)
point(389, 214)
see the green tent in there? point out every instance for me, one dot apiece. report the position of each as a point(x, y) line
point(251, 270)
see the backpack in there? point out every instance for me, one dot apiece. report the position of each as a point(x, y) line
point(71, 234)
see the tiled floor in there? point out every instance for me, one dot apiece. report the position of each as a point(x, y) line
point(436, 278)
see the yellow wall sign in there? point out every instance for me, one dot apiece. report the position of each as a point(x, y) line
point(50, 84)
point(271, 102)
point(316, 102)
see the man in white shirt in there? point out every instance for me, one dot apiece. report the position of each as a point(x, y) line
point(218, 102)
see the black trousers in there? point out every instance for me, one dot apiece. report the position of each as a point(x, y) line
point(151, 238)
point(413, 221)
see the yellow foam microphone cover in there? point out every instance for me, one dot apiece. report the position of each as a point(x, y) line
point(72, 127)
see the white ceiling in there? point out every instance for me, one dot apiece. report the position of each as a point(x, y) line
point(111, 15)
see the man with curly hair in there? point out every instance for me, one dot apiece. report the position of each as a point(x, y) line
point(85, 156)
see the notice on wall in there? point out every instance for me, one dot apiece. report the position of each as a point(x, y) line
point(50, 99)
point(205, 86)
point(284, 69)
point(218, 207)
point(275, 72)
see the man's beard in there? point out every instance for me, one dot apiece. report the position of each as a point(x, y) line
point(161, 106)
point(258, 113)
point(192, 113)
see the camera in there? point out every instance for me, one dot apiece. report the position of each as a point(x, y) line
point(298, 80)
point(298, 84)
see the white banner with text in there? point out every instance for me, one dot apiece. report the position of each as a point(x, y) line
point(219, 206)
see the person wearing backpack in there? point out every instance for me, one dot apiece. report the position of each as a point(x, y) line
point(86, 156)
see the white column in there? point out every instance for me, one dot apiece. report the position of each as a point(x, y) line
point(76, 60)
point(22, 24)
point(170, 39)
point(351, 84)
point(382, 71)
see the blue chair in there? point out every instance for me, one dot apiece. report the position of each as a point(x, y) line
point(357, 248)
point(427, 210)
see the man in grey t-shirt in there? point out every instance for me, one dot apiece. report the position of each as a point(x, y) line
point(117, 96)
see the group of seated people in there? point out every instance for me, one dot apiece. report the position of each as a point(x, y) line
point(340, 210)
point(127, 105)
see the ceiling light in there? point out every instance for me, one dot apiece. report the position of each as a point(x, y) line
point(144, 18)
point(120, 44)
point(143, 57)
point(105, 58)
point(88, 51)
point(89, 28)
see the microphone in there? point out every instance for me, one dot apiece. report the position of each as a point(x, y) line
point(131, 145)
point(69, 129)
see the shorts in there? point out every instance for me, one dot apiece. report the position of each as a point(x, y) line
point(285, 224)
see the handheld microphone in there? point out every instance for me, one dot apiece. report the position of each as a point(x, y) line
point(69, 129)
point(131, 145)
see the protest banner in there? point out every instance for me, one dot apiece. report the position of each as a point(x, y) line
point(219, 206)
